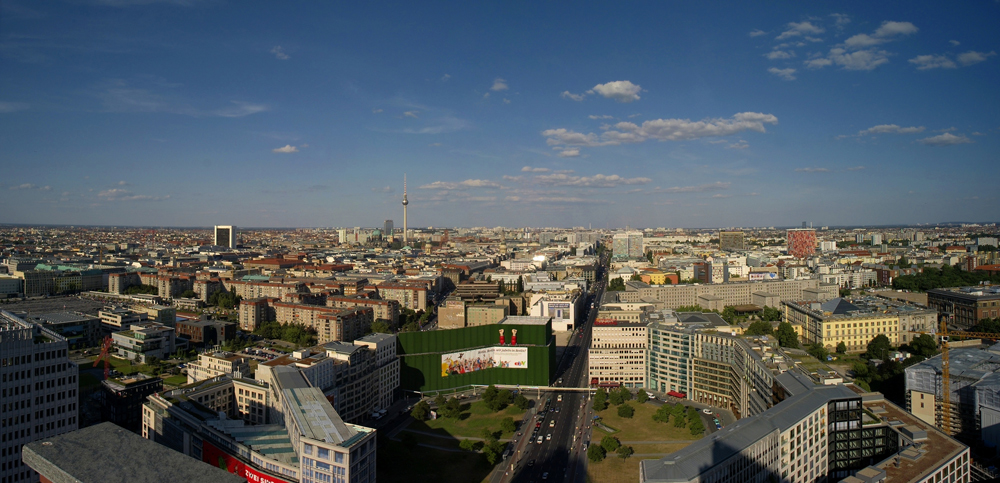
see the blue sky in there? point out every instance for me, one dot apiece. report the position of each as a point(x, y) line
point(684, 114)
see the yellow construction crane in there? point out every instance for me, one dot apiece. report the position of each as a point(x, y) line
point(946, 425)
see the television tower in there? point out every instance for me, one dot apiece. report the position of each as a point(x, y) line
point(405, 202)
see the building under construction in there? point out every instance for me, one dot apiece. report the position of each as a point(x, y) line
point(974, 393)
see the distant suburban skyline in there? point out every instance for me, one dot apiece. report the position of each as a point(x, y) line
point(196, 113)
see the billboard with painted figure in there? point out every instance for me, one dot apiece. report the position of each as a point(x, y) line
point(472, 360)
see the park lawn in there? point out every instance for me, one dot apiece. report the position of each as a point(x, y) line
point(641, 426)
point(613, 470)
point(122, 365)
point(444, 442)
point(396, 463)
point(475, 417)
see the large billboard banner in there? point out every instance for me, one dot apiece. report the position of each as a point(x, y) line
point(472, 360)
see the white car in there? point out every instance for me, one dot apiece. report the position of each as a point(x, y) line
point(706, 411)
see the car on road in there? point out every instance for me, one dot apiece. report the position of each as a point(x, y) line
point(538, 425)
point(559, 397)
point(552, 423)
point(585, 446)
point(548, 437)
point(707, 411)
point(540, 439)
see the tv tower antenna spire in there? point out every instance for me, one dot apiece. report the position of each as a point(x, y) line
point(405, 202)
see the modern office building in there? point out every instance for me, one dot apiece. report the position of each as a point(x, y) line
point(387, 230)
point(122, 398)
point(205, 332)
point(284, 431)
point(80, 330)
point(617, 355)
point(38, 395)
point(214, 364)
point(801, 242)
point(143, 341)
point(732, 241)
point(821, 433)
point(732, 293)
point(627, 245)
point(225, 236)
point(837, 320)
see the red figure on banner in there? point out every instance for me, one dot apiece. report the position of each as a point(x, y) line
point(501, 337)
point(513, 337)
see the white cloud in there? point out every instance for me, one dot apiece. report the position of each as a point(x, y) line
point(384, 189)
point(946, 139)
point(948, 129)
point(529, 169)
point(412, 114)
point(25, 186)
point(954, 43)
point(512, 178)
point(856, 168)
point(486, 96)
point(462, 185)
point(239, 109)
point(716, 186)
point(859, 60)
point(376, 111)
point(662, 130)
point(720, 195)
point(118, 194)
point(288, 148)
point(12, 106)
point(786, 74)
point(779, 54)
point(973, 57)
point(445, 78)
point(596, 181)
point(435, 144)
point(925, 62)
point(570, 95)
point(892, 29)
point(621, 91)
point(757, 33)
point(279, 53)
point(741, 144)
point(818, 63)
point(890, 129)
point(601, 117)
point(812, 170)
point(841, 20)
point(499, 85)
point(569, 153)
point(796, 29)
point(506, 101)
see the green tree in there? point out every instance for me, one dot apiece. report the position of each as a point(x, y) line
point(493, 451)
point(903, 262)
point(841, 348)
point(440, 401)
point(924, 345)
point(520, 284)
point(421, 411)
point(615, 398)
point(507, 425)
point(624, 452)
point(381, 327)
point(759, 327)
point(596, 453)
point(610, 443)
point(786, 335)
point(616, 285)
point(878, 348)
point(188, 294)
point(770, 314)
point(641, 396)
point(521, 402)
point(410, 327)
point(679, 414)
point(818, 351)
point(662, 414)
point(729, 315)
point(467, 444)
point(626, 411)
point(635, 277)
point(600, 400)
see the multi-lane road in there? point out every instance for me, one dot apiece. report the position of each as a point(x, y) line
point(563, 425)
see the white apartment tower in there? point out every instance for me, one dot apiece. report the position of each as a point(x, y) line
point(225, 236)
point(38, 396)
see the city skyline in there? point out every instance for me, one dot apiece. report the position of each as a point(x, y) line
point(188, 113)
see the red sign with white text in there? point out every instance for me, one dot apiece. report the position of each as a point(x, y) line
point(216, 457)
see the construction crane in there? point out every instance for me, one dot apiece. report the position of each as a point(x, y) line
point(946, 371)
point(105, 356)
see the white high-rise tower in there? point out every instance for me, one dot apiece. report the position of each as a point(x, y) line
point(405, 202)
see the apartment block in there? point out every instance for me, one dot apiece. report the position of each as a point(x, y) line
point(142, 341)
point(839, 320)
point(617, 355)
point(411, 296)
point(967, 305)
point(214, 364)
